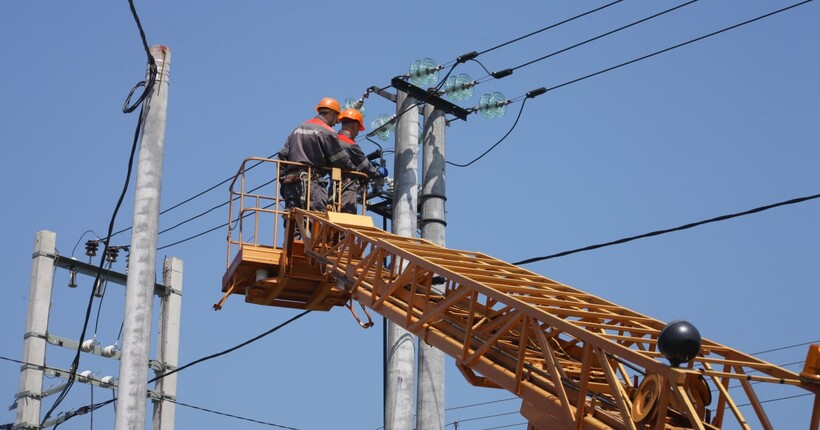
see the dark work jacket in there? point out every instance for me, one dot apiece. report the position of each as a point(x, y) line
point(314, 143)
point(357, 157)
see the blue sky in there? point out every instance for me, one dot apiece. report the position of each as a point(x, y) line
point(716, 127)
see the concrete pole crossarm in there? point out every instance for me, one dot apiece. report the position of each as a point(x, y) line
point(130, 414)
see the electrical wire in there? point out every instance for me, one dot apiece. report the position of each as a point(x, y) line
point(551, 26)
point(715, 33)
point(603, 35)
point(668, 230)
point(225, 414)
point(495, 144)
point(195, 196)
point(126, 108)
point(93, 406)
point(81, 238)
point(229, 350)
point(505, 426)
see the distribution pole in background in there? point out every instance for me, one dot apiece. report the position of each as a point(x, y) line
point(168, 343)
point(400, 352)
point(34, 344)
point(430, 402)
point(136, 336)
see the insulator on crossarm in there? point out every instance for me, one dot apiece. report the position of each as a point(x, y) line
point(355, 104)
point(493, 105)
point(110, 351)
point(459, 87)
point(91, 247)
point(108, 381)
point(72, 277)
point(85, 376)
point(424, 72)
point(382, 126)
point(88, 345)
point(111, 254)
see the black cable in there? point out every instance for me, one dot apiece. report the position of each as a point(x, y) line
point(679, 45)
point(201, 193)
point(786, 347)
point(494, 145)
point(224, 414)
point(75, 363)
point(102, 297)
point(192, 237)
point(669, 230)
point(549, 27)
point(505, 426)
point(229, 350)
point(82, 410)
point(603, 35)
point(81, 238)
point(148, 88)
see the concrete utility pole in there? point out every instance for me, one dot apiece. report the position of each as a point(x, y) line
point(34, 343)
point(136, 335)
point(400, 354)
point(168, 342)
point(430, 402)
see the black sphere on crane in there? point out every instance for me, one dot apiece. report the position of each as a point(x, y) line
point(679, 342)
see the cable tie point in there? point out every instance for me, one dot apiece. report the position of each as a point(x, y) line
point(536, 92)
point(466, 57)
point(502, 73)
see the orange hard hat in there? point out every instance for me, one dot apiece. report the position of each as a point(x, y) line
point(329, 103)
point(353, 114)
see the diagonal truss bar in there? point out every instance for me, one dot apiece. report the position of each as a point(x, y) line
point(551, 344)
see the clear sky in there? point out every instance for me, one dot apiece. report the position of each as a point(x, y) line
point(720, 126)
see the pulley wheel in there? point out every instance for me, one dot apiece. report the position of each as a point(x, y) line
point(643, 406)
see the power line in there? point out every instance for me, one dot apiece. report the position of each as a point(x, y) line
point(520, 111)
point(225, 414)
point(604, 35)
point(679, 45)
point(669, 230)
point(195, 196)
point(549, 27)
point(786, 347)
point(229, 350)
point(126, 109)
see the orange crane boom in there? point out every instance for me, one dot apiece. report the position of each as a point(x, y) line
point(576, 360)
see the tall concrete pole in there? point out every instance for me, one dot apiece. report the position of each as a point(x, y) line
point(136, 334)
point(34, 340)
point(430, 401)
point(400, 353)
point(168, 343)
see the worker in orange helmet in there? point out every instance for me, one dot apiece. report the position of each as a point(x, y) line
point(352, 124)
point(313, 143)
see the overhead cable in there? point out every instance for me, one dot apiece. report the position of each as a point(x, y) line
point(127, 109)
point(668, 230)
point(225, 414)
point(697, 39)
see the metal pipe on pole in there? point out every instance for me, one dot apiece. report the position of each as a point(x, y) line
point(136, 336)
point(168, 343)
point(34, 340)
point(398, 408)
point(430, 393)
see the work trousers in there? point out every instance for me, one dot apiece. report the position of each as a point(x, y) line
point(292, 195)
point(351, 190)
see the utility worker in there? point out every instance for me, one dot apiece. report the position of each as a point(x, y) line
point(313, 143)
point(352, 124)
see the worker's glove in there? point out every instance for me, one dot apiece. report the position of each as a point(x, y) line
point(382, 171)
